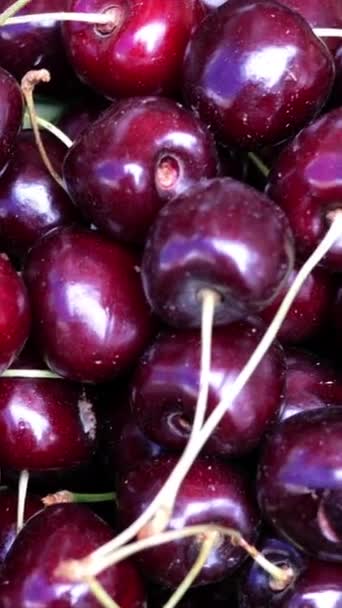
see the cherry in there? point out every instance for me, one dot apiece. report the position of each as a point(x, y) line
point(31, 203)
point(8, 517)
point(137, 156)
point(299, 486)
point(11, 115)
point(256, 588)
point(320, 584)
point(211, 492)
point(237, 244)
point(140, 53)
point(58, 533)
point(311, 383)
point(310, 309)
point(15, 316)
point(37, 45)
point(90, 317)
point(256, 72)
point(305, 182)
point(166, 384)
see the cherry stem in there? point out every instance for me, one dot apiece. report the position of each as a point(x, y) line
point(31, 373)
point(28, 84)
point(64, 496)
point(94, 18)
point(12, 10)
point(22, 493)
point(328, 32)
point(100, 593)
point(46, 124)
point(206, 548)
point(256, 160)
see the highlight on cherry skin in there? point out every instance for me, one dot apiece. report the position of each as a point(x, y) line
point(182, 326)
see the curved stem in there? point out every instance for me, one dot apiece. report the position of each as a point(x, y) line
point(12, 10)
point(46, 124)
point(256, 160)
point(94, 18)
point(328, 32)
point(100, 593)
point(64, 496)
point(31, 373)
point(22, 493)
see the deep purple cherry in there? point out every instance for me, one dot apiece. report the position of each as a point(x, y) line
point(166, 385)
point(256, 72)
point(8, 517)
point(15, 316)
point(212, 492)
point(299, 481)
point(90, 315)
point(57, 534)
point(139, 154)
point(320, 585)
point(140, 52)
point(31, 202)
point(11, 104)
point(220, 235)
point(305, 182)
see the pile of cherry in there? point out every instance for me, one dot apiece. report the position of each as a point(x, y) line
point(147, 242)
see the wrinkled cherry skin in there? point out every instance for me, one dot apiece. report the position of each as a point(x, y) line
point(60, 533)
point(15, 315)
point(136, 157)
point(142, 55)
point(256, 73)
point(299, 487)
point(31, 202)
point(31, 46)
point(319, 586)
point(305, 182)
point(219, 595)
point(198, 242)
point(311, 383)
point(255, 584)
point(166, 385)
point(310, 310)
point(89, 311)
point(212, 492)
point(8, 517)
point(11, 115)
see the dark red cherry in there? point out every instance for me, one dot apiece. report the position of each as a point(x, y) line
point(15, 316)
point(310, 310)
point(11, 104)
point(89, 311)
point(31, 202)
point(256, 72)
point(166, 385)
point(305, 182)
point(31, 46)
point(311, 383)
point(219, 235)
point(256, 587)
point(299, 487)
point(8, 517)
point(141, 53)
point(318, 587)
point(57, 534)
point(219, 595)
point(139, 154)
point(212, 492)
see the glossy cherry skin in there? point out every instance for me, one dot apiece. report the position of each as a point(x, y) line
point(32, 46)
point(255, 584)
point(310, 310)
point(299, 487)
point(8, 517)
point(166, 385)
point(318, 587)
point(57, 534)
point(219, 595)
point(256, 73)
point(11, 115)
point(89, 311)
point(142, 54)
point(311, 383)
point(31, 202)
point(211, 492)
point(198, 242)
point(305, 182)
point(15, 315)
point(140, 153)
